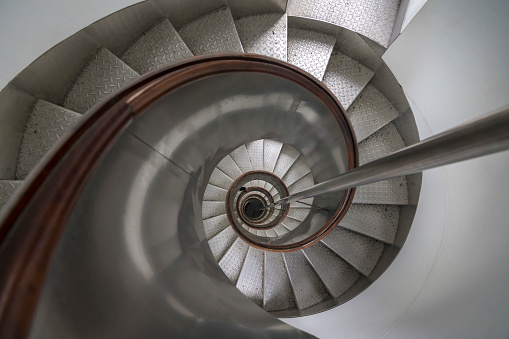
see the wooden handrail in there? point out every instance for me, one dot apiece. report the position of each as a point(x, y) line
point(32, 223)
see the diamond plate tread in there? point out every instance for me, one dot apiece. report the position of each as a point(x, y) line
point(298, 213)
point(372, 18)
point(346, 78)
point(252, 231)
point(241, 158)
point(278, 293)
point(388, 192)
point(103, 75)
point(231, 263)
point(220, 243)
point(229, 167)
point(310, 50)
point(251, 277)
point(213, 32)
point(7, 189)
point(370, 112)
point(358, 250)
point(261, 233)
point(214, 193)
point(298, 170)
point(264, 34)
point(290, 223)
point(305, 182)
point(384, 142)
point(337, 275)
point(220, 179)
point(212, 209)
point(286, 159)
point(376, 221)
point(158, 47)
point(307, 287)
point(255, 152)
point(215, 225)
point(45, 126)
point(271, 233)
point(280, 230)
point(271, 150)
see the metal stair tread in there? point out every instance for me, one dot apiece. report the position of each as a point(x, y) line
point(278, 293)
point(297, 171)
point(241, 159)
point(103, 75)
point(220, 179)
point(376, 221)
point(264, 34)
point(214, 193)
point(388, 192)
point(221, 242)
point(370, 112)
point(358, 250)
point(310, 50)
point(337, 275)
point(286, 159)
point(250, 281)
point(231, 263)
point(7, 189)
point(346, 78)
point(45, 126)
point(157, 47)
point(214, 225)
point(229, 167)
point(212, 209)
point(214, 32)
point(385, 141)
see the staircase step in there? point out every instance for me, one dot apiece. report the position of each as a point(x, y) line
point(213, 32)
point(371, 18)
point(358, 250)
point(286, 159)
point(382, 143)
point(370, 112)
point(388, 192)
point(302, 184)
point(214, 225)
point(7, 189)
point(337, 275)
point(271, 233)
point(103, 75)
point(212, 209)
point(290, 223)
point(255, 152)
point(375, 221)
point(298, 213)
point(307, 286)
point(46, 125)
point(261, 233)
point(251, 277)
point(271, 151)
point(280, 230)
point(346, 78)
point(298, 170)
point(229, 167)
point(310, 50)
point(264, 34)
point(214, 193)
point(220, 179)
point(220, 243)
point(278, 293)
point(241, 158)
point(157, 47)
point(233, 260)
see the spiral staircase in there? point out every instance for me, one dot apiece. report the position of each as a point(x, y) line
point(266, 253)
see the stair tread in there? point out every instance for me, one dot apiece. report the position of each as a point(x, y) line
point(264, 34)
point(298, 170)
point(278, 293)
point(213, 209)
point(388, 192)
point(157, 47)
point(7, 189)
point(310, 50)
point(220, 179)
point(213, 32)
point(280, 230)
point(346, 78)
point(241, 158)
point(375, 221)
point(371, 18)
point(231, 263)
point(358, 250)
point(290, 223)
point(307, 286)
point(271, 150)
point(103, 75)
point(337, 275)
point(229, 167)
point(214, 225)
point(45, 126)
point(255, 152)
point(286, 159)
point(250, 281)
point(302, 184)
point(370, 112)
point(214, 193)
point(382, 143)
point(221, 242)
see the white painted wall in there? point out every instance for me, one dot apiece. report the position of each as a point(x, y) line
point(414, 6)
point(28, 28)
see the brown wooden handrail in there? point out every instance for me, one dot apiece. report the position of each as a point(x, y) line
point(32, 223)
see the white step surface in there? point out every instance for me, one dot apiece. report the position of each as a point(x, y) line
point(45, 126)
point(241, 159)
point(231, 263)
point(103, 75)
point(220, 243)
point(214, 193)
point(310, 50)
point(214, 225)
point(220, 179)
point(381, 144)
point(278, 293)
point(375, 221)
point(213, 32)
point(157, 47)
point(251, 277)
point(264, 34)
point(229, 167)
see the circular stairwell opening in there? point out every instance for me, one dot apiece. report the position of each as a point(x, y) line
point(254, 208)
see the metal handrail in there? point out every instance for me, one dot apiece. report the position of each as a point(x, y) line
point(482, 136)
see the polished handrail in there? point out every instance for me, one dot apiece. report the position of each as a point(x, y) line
point(32, 223)
point(482, 136)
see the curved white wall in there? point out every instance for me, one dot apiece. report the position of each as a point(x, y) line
point(29, 28)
